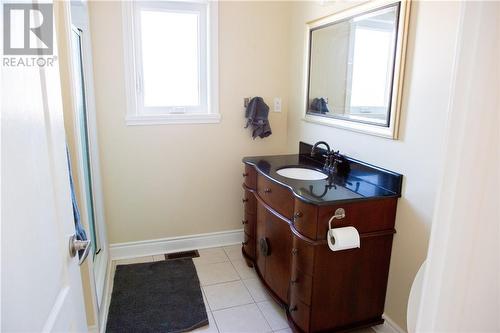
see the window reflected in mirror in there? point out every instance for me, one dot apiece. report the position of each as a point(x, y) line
point(352, 66)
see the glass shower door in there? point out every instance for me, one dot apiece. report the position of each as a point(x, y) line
point(82, 123)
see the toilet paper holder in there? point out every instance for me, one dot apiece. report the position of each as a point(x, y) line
point(339, 215)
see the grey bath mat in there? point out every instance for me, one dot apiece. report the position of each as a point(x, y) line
point(163, 296)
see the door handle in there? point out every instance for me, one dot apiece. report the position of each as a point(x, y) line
point(76, 245)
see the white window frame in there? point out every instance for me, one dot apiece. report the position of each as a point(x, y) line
point(136, 115)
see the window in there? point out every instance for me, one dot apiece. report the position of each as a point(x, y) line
point(171, 62)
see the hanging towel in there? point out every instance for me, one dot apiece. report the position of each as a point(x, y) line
point(79, 230)
point(256, 114)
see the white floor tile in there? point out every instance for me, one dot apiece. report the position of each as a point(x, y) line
point(226, 295)
point(159, 257)
point(211, 256)
point(243, 270)
point(138, 260)
point(210, 328)
point(274, 314)
point(216, 273)
point(233, 252)
point(241, 319)
point(257, 290)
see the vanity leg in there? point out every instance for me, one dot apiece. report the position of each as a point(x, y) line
point(248, 261)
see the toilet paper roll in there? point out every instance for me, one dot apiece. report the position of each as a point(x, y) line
point(343, 238)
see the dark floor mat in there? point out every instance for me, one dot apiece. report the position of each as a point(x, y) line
point(163, 296)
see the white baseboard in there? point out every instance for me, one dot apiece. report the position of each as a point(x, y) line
point(389, 326)
point(174, 244)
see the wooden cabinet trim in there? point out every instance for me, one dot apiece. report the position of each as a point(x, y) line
point(301, 236)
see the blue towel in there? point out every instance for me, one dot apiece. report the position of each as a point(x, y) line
point(79, 230)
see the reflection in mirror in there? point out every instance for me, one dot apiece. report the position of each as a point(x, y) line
point(352, 67)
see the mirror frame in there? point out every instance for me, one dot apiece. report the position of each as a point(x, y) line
point(392, 130)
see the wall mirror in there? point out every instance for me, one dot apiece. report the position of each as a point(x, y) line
point(354, 68)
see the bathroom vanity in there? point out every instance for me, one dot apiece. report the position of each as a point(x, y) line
point(286, 224)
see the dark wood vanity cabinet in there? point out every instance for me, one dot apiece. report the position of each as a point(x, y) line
point(321, 290)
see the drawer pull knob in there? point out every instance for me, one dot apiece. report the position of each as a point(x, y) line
point(293, 308)
point(244, 222)
point(267, 190)
point(296, 216)
point(245, 174)
point(294, 281)
point(295, 251)
point(244, 200)
point(244, 243)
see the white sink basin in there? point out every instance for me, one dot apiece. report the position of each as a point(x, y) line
point(301, 173)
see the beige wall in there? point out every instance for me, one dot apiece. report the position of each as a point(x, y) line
point(172, 180)
point(417, 154)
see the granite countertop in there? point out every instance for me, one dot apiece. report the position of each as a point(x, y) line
point(363, 182)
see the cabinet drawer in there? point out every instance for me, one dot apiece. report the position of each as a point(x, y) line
point(365, 216)
point(302, 256)
point(305, 218)
point(250, 177)
point(249, 246)
point(300, 314)
point(277, 196)
point(250, 202)
point(249, 224)
point(301, 286)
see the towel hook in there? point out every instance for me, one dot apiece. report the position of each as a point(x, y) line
point(246, 101)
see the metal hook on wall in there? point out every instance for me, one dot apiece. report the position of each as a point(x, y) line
point(246, 101)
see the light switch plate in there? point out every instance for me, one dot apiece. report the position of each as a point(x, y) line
point(277, 104)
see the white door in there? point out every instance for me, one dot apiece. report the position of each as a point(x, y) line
point(41, 290)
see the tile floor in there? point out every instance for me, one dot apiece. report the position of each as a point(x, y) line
point(235, 300)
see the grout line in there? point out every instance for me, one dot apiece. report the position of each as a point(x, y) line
point(218, 283)
point(249, 292)
point(235, 306)
point(213, 284)
point(261, 311)
point(209, 263)
point(237, 273)
point(263, 315)
point(215, 322)
point(197, 260)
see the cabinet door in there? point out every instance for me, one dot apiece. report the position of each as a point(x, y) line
point(279, 241)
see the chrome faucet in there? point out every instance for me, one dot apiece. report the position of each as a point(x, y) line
point(313, 150)
point(333, 159)
point(328, 156)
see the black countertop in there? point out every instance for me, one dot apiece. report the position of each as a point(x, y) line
point(363, 182)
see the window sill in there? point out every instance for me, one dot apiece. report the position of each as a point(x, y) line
point(168, 119)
